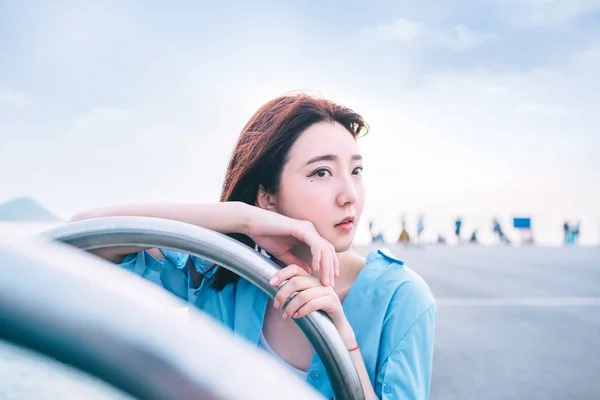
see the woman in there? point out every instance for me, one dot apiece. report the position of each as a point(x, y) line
point(294, 190)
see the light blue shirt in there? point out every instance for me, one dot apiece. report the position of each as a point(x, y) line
point(390, 308)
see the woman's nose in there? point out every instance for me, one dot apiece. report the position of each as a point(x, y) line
point(347, 193)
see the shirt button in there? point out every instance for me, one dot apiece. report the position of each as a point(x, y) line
point(315, 375)
point(387, 389)
point(157, 267)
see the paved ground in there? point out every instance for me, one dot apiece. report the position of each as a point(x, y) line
point(513, 323)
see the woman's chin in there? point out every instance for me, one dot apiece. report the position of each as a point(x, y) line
point(342, 244)
point(341, 241)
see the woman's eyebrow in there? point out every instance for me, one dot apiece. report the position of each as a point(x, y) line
point(326, 157)
point(330, 157)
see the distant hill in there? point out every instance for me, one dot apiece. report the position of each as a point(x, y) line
point(25, 210)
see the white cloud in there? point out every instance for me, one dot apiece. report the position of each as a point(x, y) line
point(546, 12)
point(549, 110)
point(14, 98)
point(460, 38)
point(104, 122)
point(400, 30)
point(496, 90)
point(456, 38)
point(75, 31)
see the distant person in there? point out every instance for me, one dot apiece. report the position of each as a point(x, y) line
point(497, 228)
point(404, 236)
point(372, 231)
point(376, 237)
point(457, 227)
point(576, 232)
point(473, 238)
point(420, 228)
point(441, 239)
point(566, 229)
point(572, 233)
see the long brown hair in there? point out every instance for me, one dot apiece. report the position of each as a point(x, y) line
point(263, 147)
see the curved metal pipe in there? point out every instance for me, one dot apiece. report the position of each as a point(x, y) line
point(74, 308)
point(226, 252)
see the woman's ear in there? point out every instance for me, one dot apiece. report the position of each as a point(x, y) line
point(265, 200)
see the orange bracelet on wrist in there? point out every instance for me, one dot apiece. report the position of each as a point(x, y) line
point(354, 348)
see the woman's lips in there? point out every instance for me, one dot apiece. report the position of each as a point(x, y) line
point(346, 226)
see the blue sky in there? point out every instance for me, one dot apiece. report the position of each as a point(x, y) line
point(477, 108)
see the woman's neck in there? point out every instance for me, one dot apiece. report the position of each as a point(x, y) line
point(350, 266)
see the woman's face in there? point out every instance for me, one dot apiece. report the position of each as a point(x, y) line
point(322, 183)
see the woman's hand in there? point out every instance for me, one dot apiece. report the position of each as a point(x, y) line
point(287, 238)
point(309, 296)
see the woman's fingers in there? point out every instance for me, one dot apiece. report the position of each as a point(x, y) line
point(294, 285)
point(333, 258)
point(330, 267)
point(323, 253)
point(286, 273)
point(325, 267)
point(321, 261)
point(307, 301)
point(290, 259)
point(336, 261)
point(316, 257)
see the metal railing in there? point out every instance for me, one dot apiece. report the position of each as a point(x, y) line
point(228, 253)
point(75, 308)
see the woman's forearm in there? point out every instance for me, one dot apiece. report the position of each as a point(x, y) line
point(349, 338)
point(359, 363)
point(224, 217)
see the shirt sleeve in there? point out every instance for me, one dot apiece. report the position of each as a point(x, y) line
point(180, 260)
point(171, 272)
point(406, 374)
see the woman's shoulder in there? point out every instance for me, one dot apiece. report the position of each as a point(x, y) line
point(389, 273)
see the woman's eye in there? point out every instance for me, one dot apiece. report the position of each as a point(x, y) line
point(322, 173)
point(357, 171)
